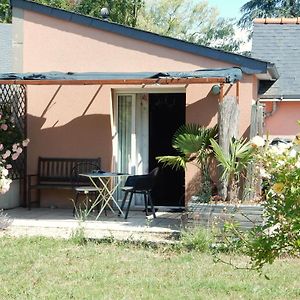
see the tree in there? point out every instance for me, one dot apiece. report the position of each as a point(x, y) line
point(5, 11)
point(120, 11)
point(268, 8)
point(192, 21)
point(5, 16)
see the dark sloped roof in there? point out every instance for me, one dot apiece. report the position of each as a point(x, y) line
point(279, 43)
point(249, 65)
point(229, 75)
point(6, 48)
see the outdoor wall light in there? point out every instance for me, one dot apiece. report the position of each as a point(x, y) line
point(216, 89)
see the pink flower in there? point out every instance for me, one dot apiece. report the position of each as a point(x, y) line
point(1, 147)
point(19, 150)
point(9, 166)
point(6, 154)
point(14, 147)
point(15, 156)
point(4, 127)
point(25, 142)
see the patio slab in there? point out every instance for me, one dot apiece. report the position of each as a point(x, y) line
point(60, 223)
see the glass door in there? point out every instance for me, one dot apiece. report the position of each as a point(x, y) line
point(132, 135)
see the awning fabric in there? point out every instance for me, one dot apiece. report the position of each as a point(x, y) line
point(230, 75)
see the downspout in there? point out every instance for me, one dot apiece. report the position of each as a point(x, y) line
point(272, 112)
point(274, 108)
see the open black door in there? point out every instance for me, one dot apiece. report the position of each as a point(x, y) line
point(166, 115)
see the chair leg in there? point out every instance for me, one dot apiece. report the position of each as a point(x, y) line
point(146, 203)
point(123, 201)
point(129, 203)
point(151, 204)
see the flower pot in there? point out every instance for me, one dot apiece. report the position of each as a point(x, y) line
point(11, 199)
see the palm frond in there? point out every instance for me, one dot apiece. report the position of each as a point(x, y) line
point(175, 162)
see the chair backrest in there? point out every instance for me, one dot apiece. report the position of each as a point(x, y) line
point(143, 182)
point(82, 167)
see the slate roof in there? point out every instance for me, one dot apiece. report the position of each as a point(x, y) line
point(5, 48)
point(278, 40)
point(247, 64)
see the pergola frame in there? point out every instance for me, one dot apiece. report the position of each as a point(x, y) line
point(116, 82)
point(143, 82)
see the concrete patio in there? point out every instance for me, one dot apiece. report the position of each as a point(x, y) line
point(60, 223)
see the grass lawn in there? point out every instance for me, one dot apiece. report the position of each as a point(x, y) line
point(42, 268)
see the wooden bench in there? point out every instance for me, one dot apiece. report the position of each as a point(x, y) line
point(59, 173)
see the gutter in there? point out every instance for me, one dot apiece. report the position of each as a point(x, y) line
point(272, 71)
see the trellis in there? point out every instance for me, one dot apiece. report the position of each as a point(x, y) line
point(14, 97)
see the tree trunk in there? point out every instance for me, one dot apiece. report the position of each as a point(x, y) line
point(252, 187)
point(228, 127)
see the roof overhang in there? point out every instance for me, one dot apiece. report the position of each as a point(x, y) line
point(271, 73)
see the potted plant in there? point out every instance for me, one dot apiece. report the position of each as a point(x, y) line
point(198, 145)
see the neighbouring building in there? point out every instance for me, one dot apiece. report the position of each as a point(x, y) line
point(278, 40)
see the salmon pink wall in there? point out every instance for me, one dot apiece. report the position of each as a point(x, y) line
point(283, 122)
point(76, 120)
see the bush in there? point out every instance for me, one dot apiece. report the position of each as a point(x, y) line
point(11, 146)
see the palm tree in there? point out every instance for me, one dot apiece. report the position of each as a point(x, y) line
point(193, 143)
point(233, 164)
point(268, 9)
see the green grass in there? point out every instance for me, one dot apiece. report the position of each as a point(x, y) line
point(42, 268)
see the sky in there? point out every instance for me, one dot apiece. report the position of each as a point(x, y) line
point(228, 8)
point(231, 9)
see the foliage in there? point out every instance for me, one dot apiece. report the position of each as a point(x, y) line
point(193, 144)
point(120, 11)
point(198, 239)
point(268, 9)
point(5, 11)
point(234, 163)
point(11, 146)
point(195, 22)
point(5, 15)
point(280, 233)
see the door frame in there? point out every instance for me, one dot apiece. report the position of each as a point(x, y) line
point(133, 92)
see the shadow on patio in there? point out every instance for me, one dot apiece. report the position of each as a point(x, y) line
point(61, 223)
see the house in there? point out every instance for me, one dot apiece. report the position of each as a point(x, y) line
point(127, 125)
point(278, 40)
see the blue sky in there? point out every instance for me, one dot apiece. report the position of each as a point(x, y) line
point(228, 8)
